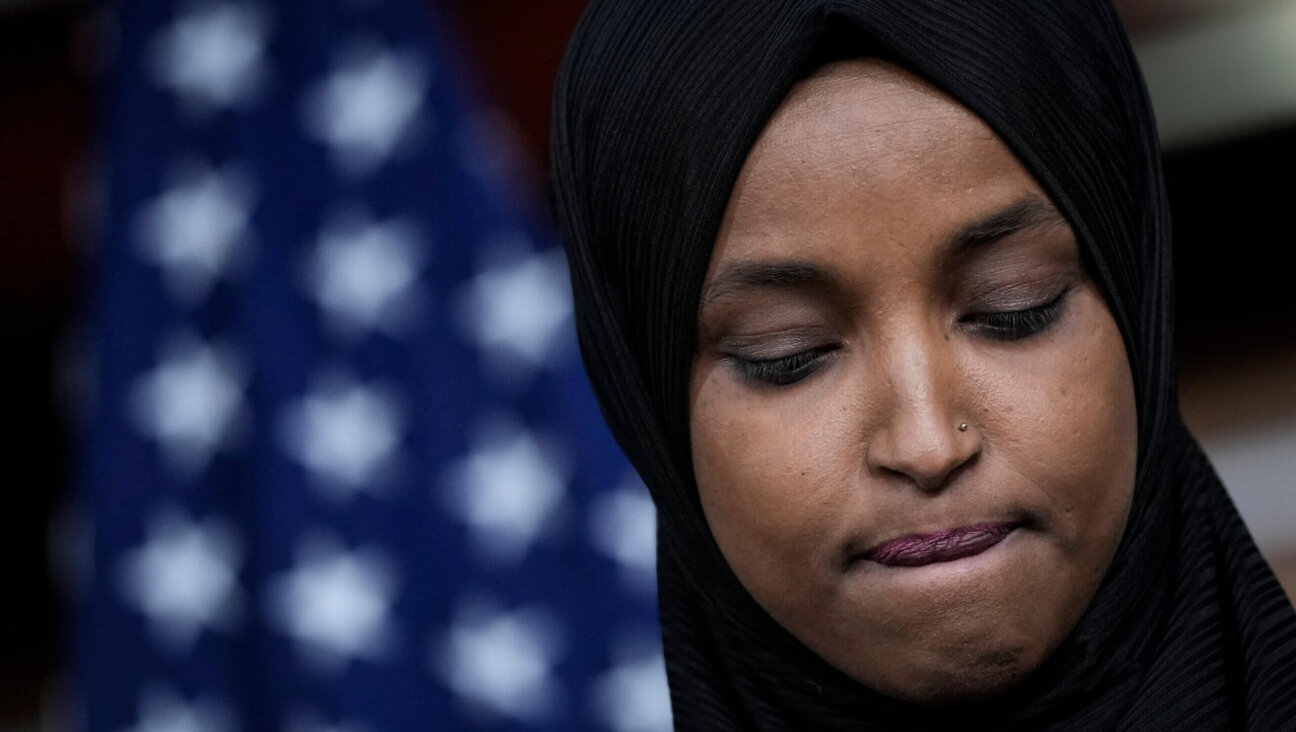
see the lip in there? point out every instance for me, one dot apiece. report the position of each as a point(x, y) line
point(916, 550)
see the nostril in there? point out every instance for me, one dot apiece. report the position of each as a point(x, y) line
point(937, 479)
point(928, 469)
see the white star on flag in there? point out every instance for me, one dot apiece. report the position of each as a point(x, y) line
point(162, 710)
point(517, 311)
point(346, 434)
point(184, 578)
point(197, 229)
point(363, 273)
point(502, 662)
point(623, 525)
point(506, 490)
point(336, 604)
point(368, 106)
point(192, 402)
point(633, 696)
point(213, 56)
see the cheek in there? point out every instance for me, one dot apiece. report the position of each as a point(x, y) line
point(1068, 424)
point(769, 475)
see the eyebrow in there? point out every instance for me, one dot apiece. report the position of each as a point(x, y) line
point(1028, 213)
point(759, 275)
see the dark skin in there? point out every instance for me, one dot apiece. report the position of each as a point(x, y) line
point(885, 272)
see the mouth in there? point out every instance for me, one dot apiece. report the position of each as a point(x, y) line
point(916, 550)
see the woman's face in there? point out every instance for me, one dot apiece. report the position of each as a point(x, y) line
point(913, 421)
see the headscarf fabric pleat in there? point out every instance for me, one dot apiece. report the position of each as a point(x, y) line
point(657, 105)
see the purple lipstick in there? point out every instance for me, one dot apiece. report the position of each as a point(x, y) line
point(916, 550)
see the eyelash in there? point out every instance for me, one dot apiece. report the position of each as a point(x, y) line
point(1016, 325)
point(784, 370)
point(1010, 325)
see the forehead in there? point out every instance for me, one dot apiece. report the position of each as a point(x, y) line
point(876, 97)
point(863, 151)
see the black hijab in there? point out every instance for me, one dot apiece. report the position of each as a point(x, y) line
point(657, 106)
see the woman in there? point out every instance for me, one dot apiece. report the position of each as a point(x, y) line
point(876, 297)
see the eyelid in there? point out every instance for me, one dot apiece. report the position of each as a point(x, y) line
point(1035, 299)
point(1018, 294)
point(1013, 281)
point(1021, 322)
point(781, 371)
point(773, 345)
point(746, 316)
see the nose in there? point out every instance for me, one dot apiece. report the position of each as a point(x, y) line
point(924, 438)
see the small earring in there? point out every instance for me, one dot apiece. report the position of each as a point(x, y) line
point(963, 427)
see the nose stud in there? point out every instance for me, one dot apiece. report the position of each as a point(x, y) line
point(963, 427)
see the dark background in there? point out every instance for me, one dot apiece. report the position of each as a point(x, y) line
point(1232, 204)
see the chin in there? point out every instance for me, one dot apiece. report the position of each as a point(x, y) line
point(951, 681)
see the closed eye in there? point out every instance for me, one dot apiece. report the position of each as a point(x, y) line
point(783, 370)
point(1014, 325)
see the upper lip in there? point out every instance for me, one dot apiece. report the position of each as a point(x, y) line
point(938, 546)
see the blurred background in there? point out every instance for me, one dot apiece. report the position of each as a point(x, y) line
point(92, 303)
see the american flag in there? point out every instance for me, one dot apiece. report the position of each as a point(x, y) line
point(343, 471)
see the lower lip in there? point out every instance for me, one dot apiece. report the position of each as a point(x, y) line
point(943, 546)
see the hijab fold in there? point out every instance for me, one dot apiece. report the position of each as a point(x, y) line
point(657, 105)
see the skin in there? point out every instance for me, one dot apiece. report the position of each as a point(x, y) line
point(840, 254)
